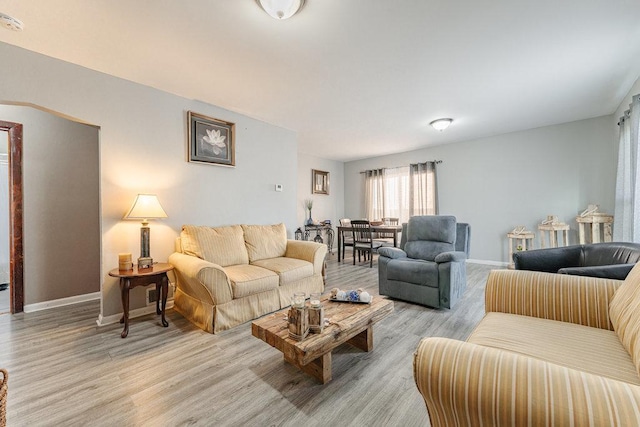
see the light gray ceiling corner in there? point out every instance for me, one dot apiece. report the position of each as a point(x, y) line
point(358, 79)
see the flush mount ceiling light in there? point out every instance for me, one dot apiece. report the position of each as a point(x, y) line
point(281, 9)
point(441, 124)
point(10, 23)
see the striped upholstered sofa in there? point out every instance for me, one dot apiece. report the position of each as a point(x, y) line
point(230, 275)
point(552, 349)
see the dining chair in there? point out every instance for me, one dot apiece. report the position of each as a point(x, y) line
point(386, 238)
point(362, 240)
point(347, 236)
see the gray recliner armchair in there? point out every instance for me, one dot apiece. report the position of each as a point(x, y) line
point(429, 267)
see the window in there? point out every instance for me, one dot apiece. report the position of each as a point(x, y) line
point(401, 192)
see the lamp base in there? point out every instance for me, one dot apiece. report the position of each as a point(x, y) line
point(145, 262)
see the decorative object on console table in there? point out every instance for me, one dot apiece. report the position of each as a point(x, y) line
point(308, 204)
point(211, 140)
point(318, 238)
point(592, 218)
point(319, 182)
point(145, 207)
point(525, 237)
point(156, 274)
point(551, 226)
point(298, 234)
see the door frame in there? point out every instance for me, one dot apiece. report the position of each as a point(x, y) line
point(16, 218)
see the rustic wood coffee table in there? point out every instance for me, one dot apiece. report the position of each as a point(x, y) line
point(350, 322)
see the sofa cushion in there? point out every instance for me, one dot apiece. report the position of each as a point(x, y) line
point(250, 279)
point(593, 350)
point(414, 271)
point(288, 269)
point(220, 245)
point(265, 241)
point(624, 312)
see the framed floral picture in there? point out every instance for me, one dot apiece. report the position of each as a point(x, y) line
point(211, 140)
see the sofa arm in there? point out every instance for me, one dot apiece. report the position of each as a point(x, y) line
point(307, 251)
point(201, 279)
point(468, 384)
point(575, 299)
point(452, 256)
point(549, 260)
point(393, 253)
point(615, 271)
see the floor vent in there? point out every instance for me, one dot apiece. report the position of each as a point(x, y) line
point(152, 296)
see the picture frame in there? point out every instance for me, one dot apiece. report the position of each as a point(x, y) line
point(319, 182)
point(211, 141)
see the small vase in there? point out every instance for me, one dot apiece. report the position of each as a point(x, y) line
point(310, 220)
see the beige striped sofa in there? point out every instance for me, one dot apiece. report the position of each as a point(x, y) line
point(229, 275)
point(552, 349)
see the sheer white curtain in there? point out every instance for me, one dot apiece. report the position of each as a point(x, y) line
point(4, 219)
point(627, 208)
point(396, 194)
point(424, 189)
point(374, 193)
point(401, 192)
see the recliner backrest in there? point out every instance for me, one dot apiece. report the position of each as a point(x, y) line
point(430, 235)
point(463, 238)
point(609, 253)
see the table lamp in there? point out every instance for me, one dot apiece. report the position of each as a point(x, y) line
point(145, 207)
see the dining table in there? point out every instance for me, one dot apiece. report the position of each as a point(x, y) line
point(391, 229)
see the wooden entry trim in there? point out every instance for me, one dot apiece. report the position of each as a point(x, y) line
point(16, 220)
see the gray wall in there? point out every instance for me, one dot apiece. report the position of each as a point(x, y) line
point(499, 182)
point(143, 149)
point(324, 206)
point(61, 180)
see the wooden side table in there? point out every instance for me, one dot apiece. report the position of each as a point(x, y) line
point(143, 277)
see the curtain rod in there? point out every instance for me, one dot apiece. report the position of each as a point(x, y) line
point(437, 162)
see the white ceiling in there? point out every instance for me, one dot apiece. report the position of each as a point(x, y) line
point(358, 78)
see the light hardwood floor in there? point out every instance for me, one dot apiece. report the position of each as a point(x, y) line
point(65, 371)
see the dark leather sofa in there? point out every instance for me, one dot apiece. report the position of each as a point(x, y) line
point(607, 260)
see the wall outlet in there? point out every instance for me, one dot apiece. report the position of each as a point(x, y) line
point(278, 187)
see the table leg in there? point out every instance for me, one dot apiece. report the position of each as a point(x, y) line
point(339, 244)
point(319, 368)
point(158, 297)
point(125, 284)
point(364, 340)
point(165, 291)
point(395, 239)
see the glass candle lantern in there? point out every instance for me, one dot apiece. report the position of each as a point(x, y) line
point(298, 300)
point(314, 299)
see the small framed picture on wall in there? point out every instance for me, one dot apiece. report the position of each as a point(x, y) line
point(319, 182)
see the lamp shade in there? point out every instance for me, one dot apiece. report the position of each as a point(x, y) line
point(146, 206)
point(281, 9)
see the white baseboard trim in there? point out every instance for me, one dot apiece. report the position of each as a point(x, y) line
point(30, 308)
point(487, 262)
point(143, 311)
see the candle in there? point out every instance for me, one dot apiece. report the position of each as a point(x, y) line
point(298, 299)
point(314, 299)
point(124, 261)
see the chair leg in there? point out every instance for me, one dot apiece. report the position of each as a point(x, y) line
point(354, 255)
point(371, 259)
